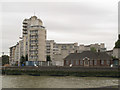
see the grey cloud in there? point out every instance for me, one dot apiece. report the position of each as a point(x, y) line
point(83, 22)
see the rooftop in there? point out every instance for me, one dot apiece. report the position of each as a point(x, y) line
point(90, 55)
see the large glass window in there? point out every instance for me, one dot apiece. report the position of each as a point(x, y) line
point(71, 46)
point(72, 62)
point(63, 47)
point(91, 62)
point(33, 36)
point(95, 62)
point(108, 62)
point(67, 62)
point(81, 62)
point(33, 31)
point(102, 62)
point(77, 62)
point(86, 62)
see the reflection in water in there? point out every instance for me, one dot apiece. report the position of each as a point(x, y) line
point(24, 81)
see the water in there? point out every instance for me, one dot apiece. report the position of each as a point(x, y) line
point(25, 81)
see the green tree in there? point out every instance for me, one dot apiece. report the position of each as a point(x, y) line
point(114, 57)
point(48, 58)
point(93, 49)
point(5, 59)
point(22, 60)
point(26, 57)
point(117, 44)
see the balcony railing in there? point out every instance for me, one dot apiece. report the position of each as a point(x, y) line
point(24, 29)
point(25, 26)
point(24, 32)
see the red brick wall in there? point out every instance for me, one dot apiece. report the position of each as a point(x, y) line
point(79, 62)
point(69, 62)
point(98, 63)
point(105, 63)
point(90, 63)
point(64, 62)
point(83, 63)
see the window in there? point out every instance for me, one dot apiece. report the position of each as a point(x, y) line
point(33, 31)
point(81, 62)
point(33, 41)
point(86, 62)
point(33, 36)
point(33, 52)
point(67, 63)
point(91, 62)
point(102, 62)
point(71, 46)
point(95, 62)
point(64, 47)
point(77, 62)
point(72, 62)
point(48, 51)
point(108, 62)
point(31, 47)
point(56, 46)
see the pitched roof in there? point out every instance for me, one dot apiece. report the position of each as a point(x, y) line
point(89, 54)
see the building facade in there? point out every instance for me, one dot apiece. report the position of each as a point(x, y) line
point(90, 47)
point(61, 51)
point(32, 43)
point(116, 51)
point(88, 58)
point(36, 40)
point(58, 51)
point(12, 55)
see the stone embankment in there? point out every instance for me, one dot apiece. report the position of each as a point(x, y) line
point(63, 71)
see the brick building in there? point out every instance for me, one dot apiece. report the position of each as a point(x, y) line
point(88, 58)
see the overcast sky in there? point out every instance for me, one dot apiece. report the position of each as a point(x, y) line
point(85, 22)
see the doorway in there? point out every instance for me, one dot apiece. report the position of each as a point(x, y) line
point(86, 62)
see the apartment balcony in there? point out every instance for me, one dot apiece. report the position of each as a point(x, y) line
point(34, 44)
point(42, 27)
point(24, 29)
point(25, 26)
point(33, 39)
point(25, 22)
point(24, 32)
point(34, 54)
point(37, 26)
point(34, 49)
point(34, 34)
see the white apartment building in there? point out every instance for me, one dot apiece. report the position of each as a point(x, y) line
point(58, 51)
point(62, 50)
point(96, 46)
point(36, 36)
point(33, 43)
point(12, 55)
